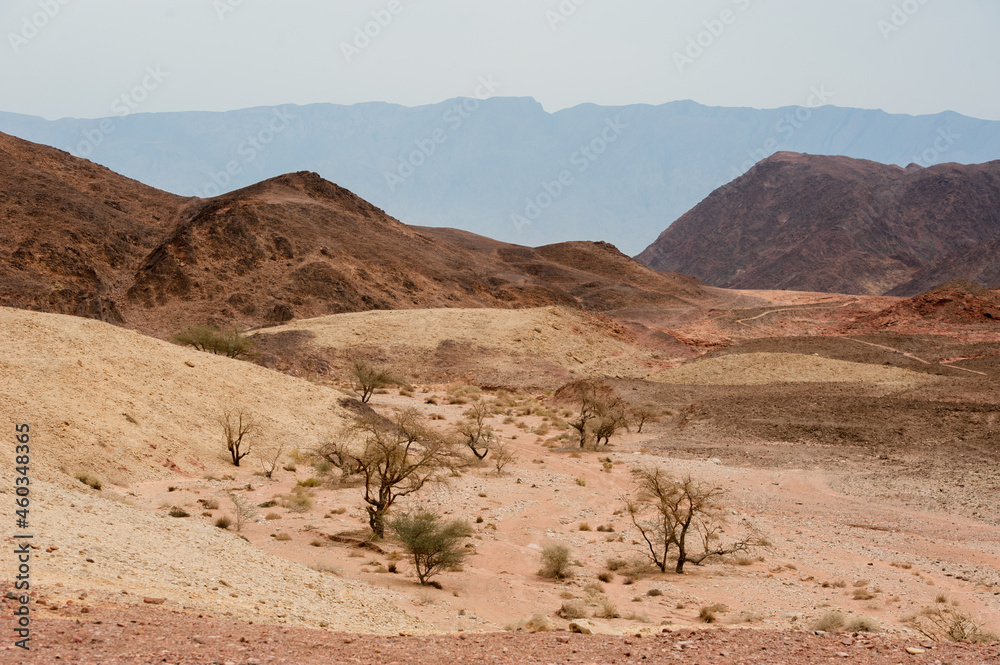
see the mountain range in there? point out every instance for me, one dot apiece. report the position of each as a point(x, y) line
point(81, 239)
point(504, 167)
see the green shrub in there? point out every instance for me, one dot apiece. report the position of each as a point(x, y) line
point(433, 545)
point(230, 343)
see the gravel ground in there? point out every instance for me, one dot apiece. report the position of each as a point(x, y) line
point(113, 636)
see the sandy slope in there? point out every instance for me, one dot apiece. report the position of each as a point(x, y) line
point(126, 407)
point(568, 339)
point(764, 368)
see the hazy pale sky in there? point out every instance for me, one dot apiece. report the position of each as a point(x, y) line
point(80, 57)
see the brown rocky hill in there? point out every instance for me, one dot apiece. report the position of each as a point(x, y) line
point(979, 263)
point(83, 240)
point(833, 224)
point(72, 232)
point(957, 303)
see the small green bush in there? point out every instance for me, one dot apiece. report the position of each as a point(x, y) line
point(433, 545)
point(230, 343)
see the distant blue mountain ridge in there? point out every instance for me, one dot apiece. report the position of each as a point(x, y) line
point(504, 167)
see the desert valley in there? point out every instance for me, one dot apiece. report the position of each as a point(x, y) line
point(208, 382)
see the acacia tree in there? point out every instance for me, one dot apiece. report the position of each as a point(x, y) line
point(611, 417)
point(395, 457)
point(239, 428)
point(585, 394)
point(476, 434)
point(647, 412)
point(669, 511)
point(370, 378)
point(434, 545)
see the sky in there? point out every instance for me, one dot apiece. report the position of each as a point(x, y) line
point(86, 58)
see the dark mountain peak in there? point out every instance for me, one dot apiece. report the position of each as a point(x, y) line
point(835, 224)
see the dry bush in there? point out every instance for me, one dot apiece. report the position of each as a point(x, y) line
point(710, 613)
point(176, 511)
point(211, 504)
point(268, 457)
point(299, 501)
point(862, 624)
point(90, 480)
point(830, 622)
point(243, 510)
point(654, 592)
point(502, 455)
point(573, 609)
point(536, 623)
point(282, 537)
point(584, 526)
point(606, 609)
point(555, 562)
point(606, 577)
point(944, 623)
point(325, 568)
point(272, 516)
point(223, 522)
point(862, 594)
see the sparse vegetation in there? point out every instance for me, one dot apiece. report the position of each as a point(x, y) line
point(395, 458)
point(176, 511)
point(223, 522)
point(432, 544)
point(573, 609)
point(298, 501)
point(668, 511)
point(230, 343)
point(555, 562)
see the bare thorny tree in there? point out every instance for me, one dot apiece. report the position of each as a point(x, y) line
point(394, 456)
point(240, 428)
point(476, 434)
point(671, 512)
